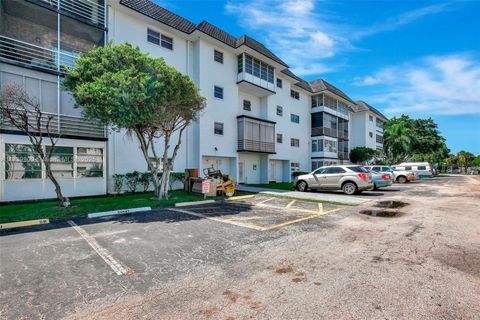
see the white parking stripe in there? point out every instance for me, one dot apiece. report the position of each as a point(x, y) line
point(116, 266)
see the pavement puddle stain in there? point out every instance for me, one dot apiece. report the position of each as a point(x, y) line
point(283, 270)
point(381, 213)
point(391, 204)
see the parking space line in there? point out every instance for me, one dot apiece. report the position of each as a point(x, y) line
point(116, 266)
point(237, 223)
point(320, 207)
point(290, 204)
point(262, 202)
point(281, 225)
point(285, 209)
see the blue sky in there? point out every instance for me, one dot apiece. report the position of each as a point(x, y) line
point(420, 58)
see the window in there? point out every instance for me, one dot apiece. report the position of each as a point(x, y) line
point(317, 145)
point(421, 168)
point(218, 56)
point(153, 37)
point(370, 134)
point(218, 128)
point(218, 92)
point(61, 161)
point(240, 63)
point(256, 68)
point(248, 64)
point(294, 166)
point(334, 170)
point(279, 83)
point(295, 142)
point(294, 118)
point(167, 42)
point(330, 146)
point(379, 138)
point(22, 162)
point(370, 117)
point(358, 169)
point(330, 102)
point(408, 168)
point(279, 111)
point(89, 162)
point(295, 94)
point(379, 123)
point(159, 39)
point(279, 138)
point(247, 105)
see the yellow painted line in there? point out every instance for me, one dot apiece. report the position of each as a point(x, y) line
point(285, 209)
point(241, 197)
point(23, 223)
point(262, 202)
point(320, 207)
point(290, 204)
point(236, 223)
point(193, 203)
point(281, 225)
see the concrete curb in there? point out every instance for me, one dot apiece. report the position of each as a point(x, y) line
point(117, 212)
point(193, 203)
point(27, 223)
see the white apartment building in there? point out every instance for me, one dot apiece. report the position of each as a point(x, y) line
point(367, 126)
point(260, 124)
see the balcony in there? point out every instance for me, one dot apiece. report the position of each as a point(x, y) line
point(343, 134)
point(324, 131)
point(87, 10)
point(255, 135)
point(30, 55)
point(63, 125)
point(255, 76)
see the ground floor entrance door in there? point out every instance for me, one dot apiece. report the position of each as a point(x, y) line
point(273, 174)
point(241, 172)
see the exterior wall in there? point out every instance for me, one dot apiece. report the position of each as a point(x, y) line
point(359, 129)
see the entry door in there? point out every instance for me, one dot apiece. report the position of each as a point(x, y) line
point(273, 171)
point(241, 172)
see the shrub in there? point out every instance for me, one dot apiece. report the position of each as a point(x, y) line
point(145, 180)
point(132, 180)
point(118, 180)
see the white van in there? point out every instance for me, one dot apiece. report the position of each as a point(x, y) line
point(420, 169)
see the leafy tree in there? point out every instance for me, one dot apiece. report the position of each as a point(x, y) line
point(465, 159)
point(396, 141)
point(19, 110)
point(127, 89)
point(362, 154)
point(476, 161)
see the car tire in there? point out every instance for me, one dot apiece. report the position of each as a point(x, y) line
point(402, 179)
point(349, 188)
point(375, 188)
point(302, 186)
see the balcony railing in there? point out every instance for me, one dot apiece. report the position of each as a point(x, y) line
point(324, 131)
point(62, 125)
point(16, 51)
point(256, 146)
point(343, 155)
point(85, 9)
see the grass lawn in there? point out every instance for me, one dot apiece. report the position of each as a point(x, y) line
point(276, 185)
point(51, 210)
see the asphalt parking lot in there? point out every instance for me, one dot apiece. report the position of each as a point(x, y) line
point(240, 259)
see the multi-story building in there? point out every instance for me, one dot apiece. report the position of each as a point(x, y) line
point(38, 39)
point(367, 126)
point(260, 124)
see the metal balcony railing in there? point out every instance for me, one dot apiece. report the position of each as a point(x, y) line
point(62, 125)
point(16, 51)
point(324, 131)
point(256, 146)
point(86, 9)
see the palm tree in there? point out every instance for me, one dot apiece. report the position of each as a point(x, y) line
point(397, 142)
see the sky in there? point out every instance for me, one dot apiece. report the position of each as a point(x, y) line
point(420, 58)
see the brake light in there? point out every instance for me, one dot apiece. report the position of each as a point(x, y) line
point(362, 176)
point(429, 170)
point(385, 177)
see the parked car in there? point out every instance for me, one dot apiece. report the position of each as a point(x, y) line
point(420, 169)
point(398, 175)
point(381, 179)
point(349, 178)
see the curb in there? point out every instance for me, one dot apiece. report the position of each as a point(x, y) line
point(117, 212)
point(192, 203)
point(27, 223)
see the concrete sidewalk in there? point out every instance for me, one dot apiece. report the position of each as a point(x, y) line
point(331, 196)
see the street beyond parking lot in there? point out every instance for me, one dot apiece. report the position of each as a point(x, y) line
point(256, 258)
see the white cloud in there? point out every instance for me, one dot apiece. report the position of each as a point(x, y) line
point(433, 85)
point(304, 36)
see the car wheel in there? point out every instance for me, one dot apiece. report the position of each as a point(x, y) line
point(302, 186)
point(350, 188)
point(375, 188)
point(402, 179)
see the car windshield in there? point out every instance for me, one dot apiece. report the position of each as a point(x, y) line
point(358, 169)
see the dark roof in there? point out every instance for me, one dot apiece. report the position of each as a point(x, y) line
point(301, 83)
point(322, 85)
point(217, 33)
point(160, 14)
point(164, 16)
point(374, 110)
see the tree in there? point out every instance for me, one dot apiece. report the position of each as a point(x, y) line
point(362, 154)
point(396, 142)
point(126, 89)
point(17, 109)
point(465, 159)
point(476, 161)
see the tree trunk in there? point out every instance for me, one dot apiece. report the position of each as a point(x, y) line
point(58, 190)
point(164, 184)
